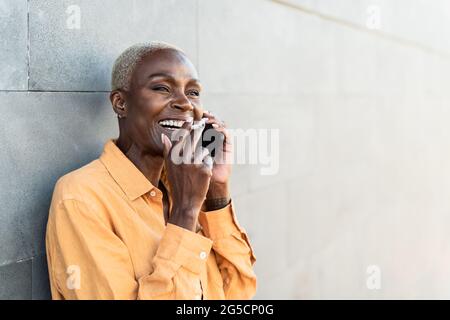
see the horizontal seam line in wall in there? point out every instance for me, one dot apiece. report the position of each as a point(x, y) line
point(7, 263)
point(54, 91)
point(377, 33)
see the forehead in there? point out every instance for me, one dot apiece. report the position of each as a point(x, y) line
point(167, 61)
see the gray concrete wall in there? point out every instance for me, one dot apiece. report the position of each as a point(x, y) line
point(362, 109)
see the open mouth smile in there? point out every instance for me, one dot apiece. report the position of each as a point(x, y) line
point(171, 124)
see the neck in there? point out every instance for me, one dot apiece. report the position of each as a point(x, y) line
point(150, 165)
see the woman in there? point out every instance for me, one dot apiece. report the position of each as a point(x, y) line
point(135, 224)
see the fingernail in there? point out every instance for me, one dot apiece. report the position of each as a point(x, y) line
point(199, 124)
point(162, 137)
point(215, 125)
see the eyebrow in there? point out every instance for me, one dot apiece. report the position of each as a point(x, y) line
point(166, 75)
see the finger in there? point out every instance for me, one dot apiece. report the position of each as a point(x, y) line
point(223, 151)
point(213, 119)
point(167, 144)
point(216, 123)
point(225, 135)
point(208, 162)
point(207, 112)
point(182, 133)
point(200, 155)
point(208, 115)
point(196, 136)
point(181, 136)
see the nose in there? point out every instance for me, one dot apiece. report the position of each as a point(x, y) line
point(182, 103)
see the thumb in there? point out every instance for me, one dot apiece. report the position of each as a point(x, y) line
point(167, 144)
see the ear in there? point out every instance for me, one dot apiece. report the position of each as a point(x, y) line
point(117, 98)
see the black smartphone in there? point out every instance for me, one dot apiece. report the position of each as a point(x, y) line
point(212, 139)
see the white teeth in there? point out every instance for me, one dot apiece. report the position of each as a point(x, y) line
point(172, 123)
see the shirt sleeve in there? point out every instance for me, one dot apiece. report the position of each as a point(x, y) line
point(234, 254)
point(87, 260)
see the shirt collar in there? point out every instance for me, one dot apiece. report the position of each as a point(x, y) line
point(124, 172)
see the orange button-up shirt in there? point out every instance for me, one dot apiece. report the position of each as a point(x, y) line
point(107, 239)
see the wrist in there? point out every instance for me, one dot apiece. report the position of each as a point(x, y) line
point(215, 204)
point(218, 191)
point(185, 218)
point(218, 197)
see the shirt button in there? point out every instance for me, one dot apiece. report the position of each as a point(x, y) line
point(203, 255)
point(153, 193)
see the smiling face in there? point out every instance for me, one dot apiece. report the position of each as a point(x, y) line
point(163, 93)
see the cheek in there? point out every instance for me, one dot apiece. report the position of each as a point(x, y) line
point(198, 106)
point(148, 99)
point(148, 109)
point(143, 122)
point(152, 105)
point(147, 132)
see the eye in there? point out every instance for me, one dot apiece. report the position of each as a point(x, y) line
point(194, 92)
point(161, 88)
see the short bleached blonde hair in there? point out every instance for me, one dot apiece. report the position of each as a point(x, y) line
point(126, 63)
